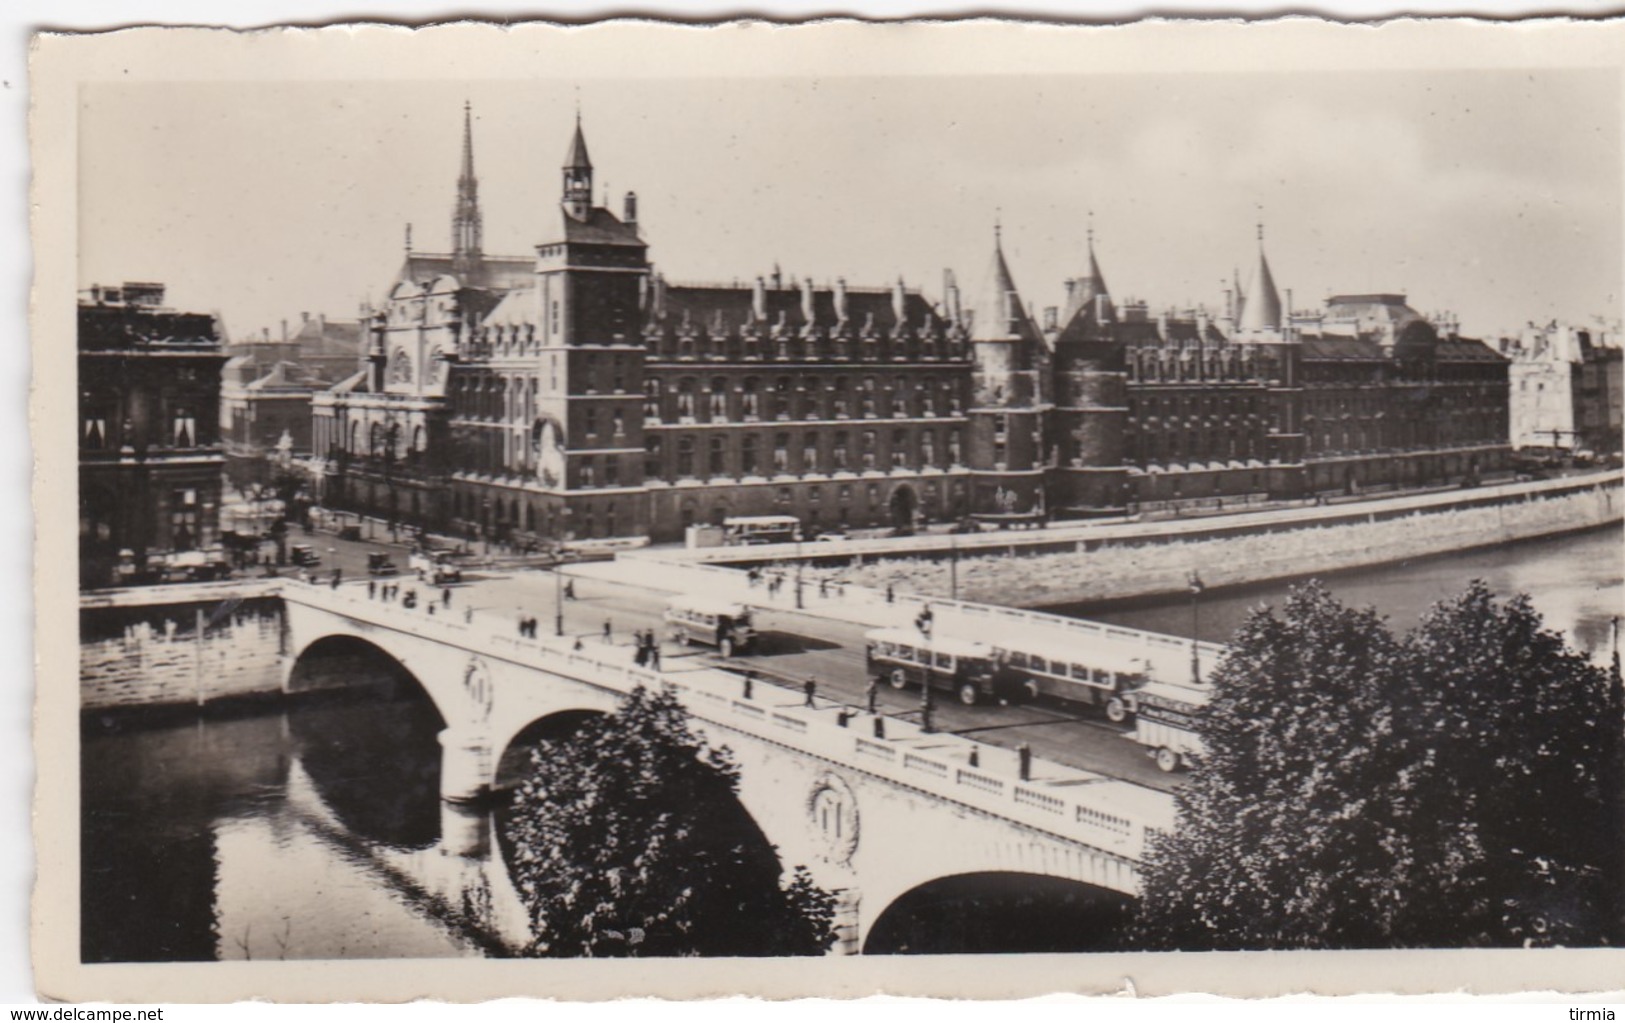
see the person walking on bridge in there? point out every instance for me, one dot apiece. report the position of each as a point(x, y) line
point(810, 689)
point(871, 692)
point(609, 632)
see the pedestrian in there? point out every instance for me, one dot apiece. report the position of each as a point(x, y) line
point(445, 597)
point(889, 593)
point(654, 652)
point(871, 692)
point(335, 580)
point(569, 589)
point(640, 653)
point(810, 688)
point(577, 645)
point(609, 632)
point(521, 626)
point(468, 616)
point(823, 587)
point(431, 609)
point(372, 589)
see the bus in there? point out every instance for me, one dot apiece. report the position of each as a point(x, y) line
point(749, 530)
point(719, 623)
point(1165, 722)
point(1072, 672)
point(967, 668)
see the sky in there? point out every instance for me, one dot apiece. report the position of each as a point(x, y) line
point(1492, 194)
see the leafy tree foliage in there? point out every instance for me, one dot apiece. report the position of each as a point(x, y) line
point(1459, 786)
point(629, 840)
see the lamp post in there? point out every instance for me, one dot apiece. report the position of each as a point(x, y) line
point(1196, 592)
point(558, 598)
point(953, 566)
point(799, 565)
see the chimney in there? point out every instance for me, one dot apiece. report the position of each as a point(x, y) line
point(807, 311)
point(758, 300)
point(284, 331)
point(304, 318)
point(321, 323)
point(1162, 325)
point(1288, 323)
point(1052, 317)
point(659, 295)
point(778, 277)
point(631, 209)
point(899, 306)
point(841, 308)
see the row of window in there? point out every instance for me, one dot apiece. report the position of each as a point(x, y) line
point(805, 398)
point(816, 452)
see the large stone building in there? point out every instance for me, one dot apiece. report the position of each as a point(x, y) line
point(1566, 390)
point(150, 458)
point(578, 394)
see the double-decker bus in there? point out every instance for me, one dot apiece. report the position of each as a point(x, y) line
point(1075, 671)
point(759, 529)
point(967, 668)
point(1165, 722)
point(719, 623)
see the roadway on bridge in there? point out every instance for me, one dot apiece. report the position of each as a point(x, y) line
point(796, 646)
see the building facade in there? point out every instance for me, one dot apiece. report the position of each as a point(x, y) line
point(1566, 384)
point(150, 456)
point(577, 394)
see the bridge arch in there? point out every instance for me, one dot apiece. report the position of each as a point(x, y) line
point(997, 912)
point(515, 756)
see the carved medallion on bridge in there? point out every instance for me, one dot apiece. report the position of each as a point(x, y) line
point(477, 687)
point(833, 812)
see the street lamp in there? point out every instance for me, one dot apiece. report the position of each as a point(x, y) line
point(558, 598)
point(799, 565)
point(953, 565)
point(1196, 592)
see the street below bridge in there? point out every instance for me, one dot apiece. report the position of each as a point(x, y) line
point(793, 647)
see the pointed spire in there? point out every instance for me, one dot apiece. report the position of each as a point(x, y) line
point(466, 222)
point(577, 158)
point(578, 175)
point(1261, 309)
point(999, 313)
point(1089, 292)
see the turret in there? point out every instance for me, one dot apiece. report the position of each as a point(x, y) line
point(577, 192)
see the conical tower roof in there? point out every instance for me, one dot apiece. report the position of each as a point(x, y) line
point(576, 158)
point(998, 314)
point(466, 178)
point(1089, 289)
point(1261, 310)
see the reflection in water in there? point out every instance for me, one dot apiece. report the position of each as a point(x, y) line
point(994, 913)
point(1577, 583)
point(269, 835)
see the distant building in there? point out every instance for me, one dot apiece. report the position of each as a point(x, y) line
point(267, 386)
point(578, 394)
point(150, 457)
point(1566, 390)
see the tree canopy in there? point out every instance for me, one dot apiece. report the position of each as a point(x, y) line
point(629, 840)
point(1457, 786)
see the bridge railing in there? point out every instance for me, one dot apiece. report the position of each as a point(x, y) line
point(1073, 805)
point(910, 604)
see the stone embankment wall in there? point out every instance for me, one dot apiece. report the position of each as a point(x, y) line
point(179, 653)
point(1120, 570)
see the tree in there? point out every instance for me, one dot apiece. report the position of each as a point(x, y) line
point(1460, 786)
point(629, 840)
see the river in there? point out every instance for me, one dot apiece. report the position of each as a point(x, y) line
point(1576, 582)
point(316, 830)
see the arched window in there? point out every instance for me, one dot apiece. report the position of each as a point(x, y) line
point(651, 457)
point(750, 400)
point(718, 401)
point(748, 465)
point(781, 452)
point(685, 399)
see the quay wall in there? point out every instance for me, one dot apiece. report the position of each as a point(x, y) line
point(135, 652)
point(1120, 569)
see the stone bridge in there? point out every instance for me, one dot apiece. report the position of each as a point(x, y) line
point(876, 818)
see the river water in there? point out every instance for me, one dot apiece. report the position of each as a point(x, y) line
point(1576, 582)
point(316, 831)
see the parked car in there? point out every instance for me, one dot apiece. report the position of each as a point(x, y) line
point(304, 555)
point(435, 567)
point(380, 564)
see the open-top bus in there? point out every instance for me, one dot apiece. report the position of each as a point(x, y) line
point(758, 529)
point(1075, 671)
point(967, 668)
point(1165, 722)
point(719, 623)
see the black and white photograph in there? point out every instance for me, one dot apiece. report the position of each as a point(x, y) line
point(847, 495)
